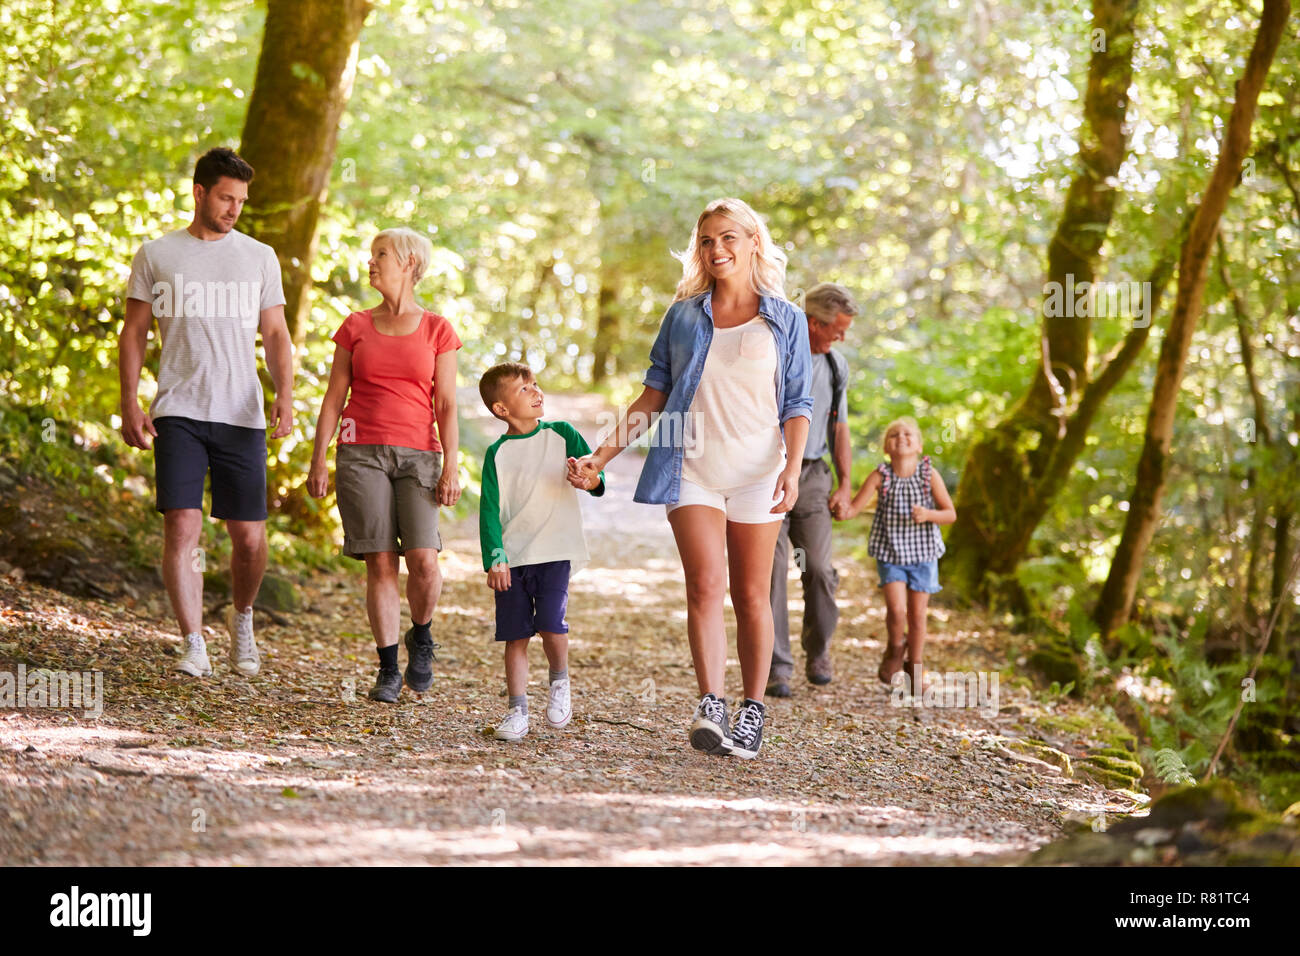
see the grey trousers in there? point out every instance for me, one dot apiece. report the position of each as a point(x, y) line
point(808, 528)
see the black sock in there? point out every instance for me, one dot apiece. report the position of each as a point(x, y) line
point(750, 702)
point(422, 630)
point(387, 655)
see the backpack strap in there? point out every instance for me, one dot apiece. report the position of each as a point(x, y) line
point(838, 385)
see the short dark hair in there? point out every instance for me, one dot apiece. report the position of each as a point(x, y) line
point(221, 161)
point(495, 378)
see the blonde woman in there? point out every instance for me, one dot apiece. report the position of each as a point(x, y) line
point(395, 367)
point(729, 376)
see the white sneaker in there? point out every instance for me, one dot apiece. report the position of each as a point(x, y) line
point(513, 726)
point(558, 707)
point(243, 648)
point(195, 662)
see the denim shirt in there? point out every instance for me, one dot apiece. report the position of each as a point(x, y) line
point(677, 364)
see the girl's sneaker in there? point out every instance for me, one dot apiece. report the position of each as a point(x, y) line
point(747, 731)
point(709, 729)
point(559, 708)
point(513, 726)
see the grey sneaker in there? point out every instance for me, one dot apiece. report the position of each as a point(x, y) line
point(388, 685)
point(709, 729)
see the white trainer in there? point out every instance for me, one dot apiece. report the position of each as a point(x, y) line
point(195, 662)
point(558, 706)
point(513, 726)
point(243, 647)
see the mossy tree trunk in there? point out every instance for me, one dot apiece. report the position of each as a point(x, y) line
point(1015, 469)
point(1116, 602)
point(304, 81)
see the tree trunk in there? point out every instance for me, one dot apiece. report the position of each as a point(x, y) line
point(1116, 602)
point(1263, 435)
point(1001, 496)
point(304, 80)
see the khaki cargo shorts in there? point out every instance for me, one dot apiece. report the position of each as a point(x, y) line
point(386, 498)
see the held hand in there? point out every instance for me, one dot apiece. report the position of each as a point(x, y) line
point(448, 492)
point(787, 491)
point(282, 415)
point(318, 479)
point(584, 473)
point(920, 514)
point(839, 502)
point(499, 577)
point(137, 427)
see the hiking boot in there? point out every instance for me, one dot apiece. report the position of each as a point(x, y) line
point(243, 648)
point(778, 687)
point(195, 662)
point(709, 729)
point(388, 685)
point(419, 661)
point(558, 705)
point(818, 670)
point(513, 726)
point(747, 731)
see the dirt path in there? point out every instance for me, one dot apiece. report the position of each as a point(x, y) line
point(296, 767)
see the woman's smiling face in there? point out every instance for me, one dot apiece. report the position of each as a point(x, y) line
point(725, 248)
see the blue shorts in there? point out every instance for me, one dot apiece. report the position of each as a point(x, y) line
point(536, 601)
point(919, 577)
point(186, 450)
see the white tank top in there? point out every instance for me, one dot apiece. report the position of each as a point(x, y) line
point(733, 432)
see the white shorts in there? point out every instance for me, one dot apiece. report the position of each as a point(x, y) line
point(748, 504)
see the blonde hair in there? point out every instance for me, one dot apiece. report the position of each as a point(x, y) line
point(906, 420)
point(408, 244)
point(766, 268)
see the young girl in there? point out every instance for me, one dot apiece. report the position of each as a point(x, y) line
point(906, 543)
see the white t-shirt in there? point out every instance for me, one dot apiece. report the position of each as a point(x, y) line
point(733, 432)
point(207, 297)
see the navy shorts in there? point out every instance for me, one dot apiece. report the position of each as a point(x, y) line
point(184, 452)
point(923, 577)
point(536, 601)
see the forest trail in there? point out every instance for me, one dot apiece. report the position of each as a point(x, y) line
point(295, 766)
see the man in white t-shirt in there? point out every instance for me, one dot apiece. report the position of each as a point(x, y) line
point(212, 290)
point(830, 309)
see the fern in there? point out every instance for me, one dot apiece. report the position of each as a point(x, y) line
point(1170, 767)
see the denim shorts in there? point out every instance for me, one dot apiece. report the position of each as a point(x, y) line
point(919, 577)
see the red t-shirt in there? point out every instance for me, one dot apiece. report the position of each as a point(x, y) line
point(392, 381)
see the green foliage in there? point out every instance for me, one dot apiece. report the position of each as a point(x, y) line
point(1170, 768)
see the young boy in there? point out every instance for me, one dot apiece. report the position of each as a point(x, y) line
point(530, 532)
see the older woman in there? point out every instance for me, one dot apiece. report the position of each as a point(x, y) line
point(730, 374)
point(395, 367)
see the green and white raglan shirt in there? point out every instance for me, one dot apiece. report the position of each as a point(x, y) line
point(528, 512)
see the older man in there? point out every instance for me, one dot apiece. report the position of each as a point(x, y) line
point(830, 310)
